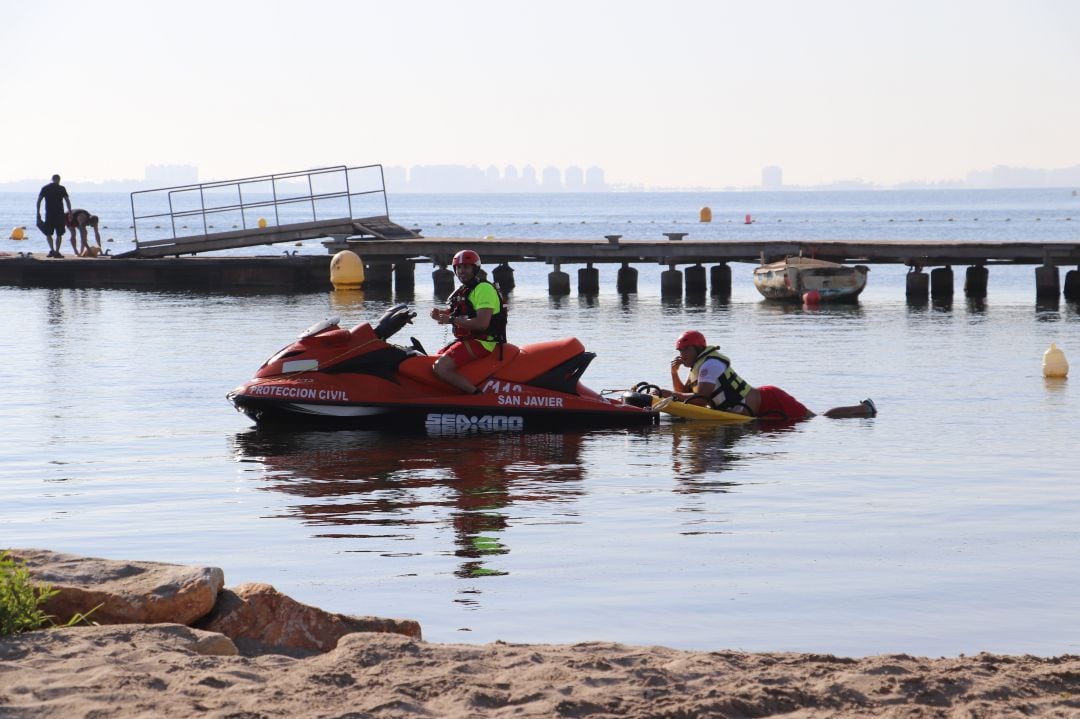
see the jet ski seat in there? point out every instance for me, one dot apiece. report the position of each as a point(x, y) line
point(419, 367)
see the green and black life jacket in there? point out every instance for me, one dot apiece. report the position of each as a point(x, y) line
point(461, 306)
point(731, 389)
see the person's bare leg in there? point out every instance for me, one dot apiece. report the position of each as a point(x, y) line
point(866, 408)
point(446, 370)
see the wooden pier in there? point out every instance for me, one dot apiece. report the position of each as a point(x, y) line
point(440, 251)
point(393, 261)
point(391, 264)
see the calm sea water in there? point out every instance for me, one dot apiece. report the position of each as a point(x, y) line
point(945, 525)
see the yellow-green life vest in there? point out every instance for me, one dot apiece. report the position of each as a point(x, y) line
point(731, 389)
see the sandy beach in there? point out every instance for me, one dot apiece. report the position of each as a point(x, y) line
point(140, 670)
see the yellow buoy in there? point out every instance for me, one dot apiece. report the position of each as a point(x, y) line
point(19, 233)
point(346, 270)
point(1054, 362)
point(262, 223)
point(705, 214)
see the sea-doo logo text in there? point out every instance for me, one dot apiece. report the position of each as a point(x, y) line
point(277, 390)
point(465, 423)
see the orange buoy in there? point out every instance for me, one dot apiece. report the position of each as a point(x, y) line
point(749, 220)
point(811, 298)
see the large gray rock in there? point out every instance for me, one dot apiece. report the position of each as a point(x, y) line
point(260, 619)
point(128, 592)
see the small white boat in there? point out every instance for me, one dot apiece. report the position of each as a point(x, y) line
point(794, 277)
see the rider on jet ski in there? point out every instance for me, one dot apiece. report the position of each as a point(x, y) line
point(477, 313)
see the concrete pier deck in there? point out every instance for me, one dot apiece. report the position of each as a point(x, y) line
point(304, 273)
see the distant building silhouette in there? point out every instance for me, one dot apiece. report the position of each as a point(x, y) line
point(551, 179)
point(459, 178)
point(772, 177)
point(511, 179)
point(594, 180)
point(573, 179)
point(1004, 176)
point(528, 179)
point(396, 179)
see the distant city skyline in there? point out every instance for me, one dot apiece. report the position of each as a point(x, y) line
point(509, 178)
point(471, 178)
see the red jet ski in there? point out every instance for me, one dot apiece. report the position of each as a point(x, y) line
point(356, 378)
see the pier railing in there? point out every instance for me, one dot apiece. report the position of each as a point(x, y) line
point(321, 195)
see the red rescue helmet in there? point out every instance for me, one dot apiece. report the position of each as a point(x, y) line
point(466, 257)
point(690, 338)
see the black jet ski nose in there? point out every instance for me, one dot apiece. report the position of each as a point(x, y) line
point(637, 399)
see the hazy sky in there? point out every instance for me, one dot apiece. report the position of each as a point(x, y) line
point(676, 94)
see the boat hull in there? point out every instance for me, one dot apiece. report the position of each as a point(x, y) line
point(790, 280)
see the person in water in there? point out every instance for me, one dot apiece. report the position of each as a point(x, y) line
point(79, 220)
point(55, 197)
point(477, 314)
point(713, 383)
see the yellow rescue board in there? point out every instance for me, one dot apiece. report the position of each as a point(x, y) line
point(696, 412)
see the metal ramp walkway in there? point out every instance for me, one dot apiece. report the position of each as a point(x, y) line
point(264, 210)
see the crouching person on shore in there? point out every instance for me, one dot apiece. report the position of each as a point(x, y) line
point(80, 219)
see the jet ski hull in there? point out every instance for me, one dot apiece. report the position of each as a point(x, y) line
point(354, 378)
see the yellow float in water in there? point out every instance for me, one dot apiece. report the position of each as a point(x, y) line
point(696, 412)
point(18, 233)
point(262, 223)
point(346, 270)
point(705, 214)
point(1054, 363)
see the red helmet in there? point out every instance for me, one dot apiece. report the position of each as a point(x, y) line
point(466, 257)
point(690, 338)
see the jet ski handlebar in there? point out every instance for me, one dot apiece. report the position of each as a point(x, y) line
point(393, 320)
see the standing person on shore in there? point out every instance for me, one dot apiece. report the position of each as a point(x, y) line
point(56, 199)
point(477, 313)
point(713, 383)
point(79, 219)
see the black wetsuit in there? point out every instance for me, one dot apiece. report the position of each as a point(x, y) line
point(54, 195)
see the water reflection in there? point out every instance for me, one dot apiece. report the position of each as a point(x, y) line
point(347, 301)
point(415, 500)
point(769, 308)
point(942, 304)
point(382, 489)
point(700, 451)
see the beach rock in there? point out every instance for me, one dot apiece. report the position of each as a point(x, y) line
point(260, 620)
point(127, 592)
point(212, 644)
